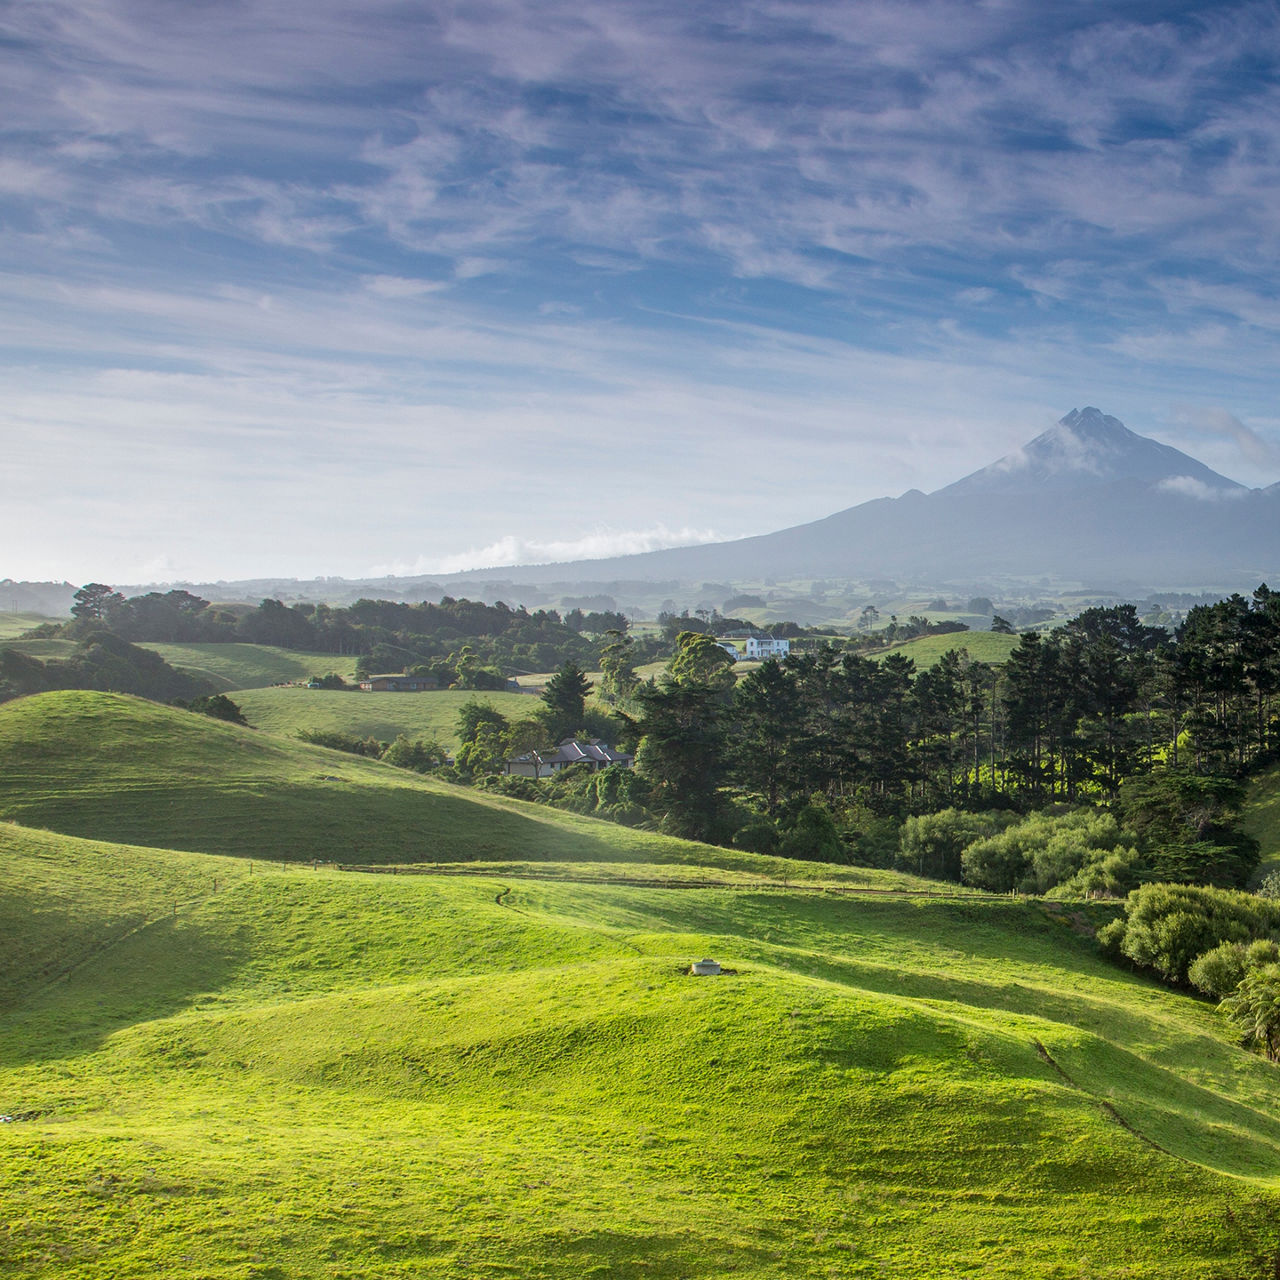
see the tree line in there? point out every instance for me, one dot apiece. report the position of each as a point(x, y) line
point(833, 754)
point(463, 643)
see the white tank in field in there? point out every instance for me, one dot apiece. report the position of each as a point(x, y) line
point(705, 968)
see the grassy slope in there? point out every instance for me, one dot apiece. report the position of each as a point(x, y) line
point(14, 624)
point(227, 666)
point(378, 715)
point(1261, 818)
point(309, 1074)
point(252, 666)
point(982, 646)
point(108, 766)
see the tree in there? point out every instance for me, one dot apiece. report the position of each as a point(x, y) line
point(95, 601)
point(1254, 1007)
point(932, 844)
point(474, 715)
point(699, 659)
point(681, 753)
point(220, 707)
point(767, 711)
point(618, 679)
point(419, 754)
point(564, 701)
point(1187, 823)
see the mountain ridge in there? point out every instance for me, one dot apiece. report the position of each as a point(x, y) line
point(1086, 500)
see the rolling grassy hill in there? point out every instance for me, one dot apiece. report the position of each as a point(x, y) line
point(377, 715)
point(252, 666)
point(219, 1067)
point(315, 1074)
point(112, 767)
point(226, 666)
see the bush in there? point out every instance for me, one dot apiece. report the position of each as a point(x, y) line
point(812, 835)
point(330, 681)
point(1048, 849)
point(1110, 876)
point(760, 835)
point(933, 843)
point(1167, 927)
point(337, 741)
point(217, 705)
point(419, 754)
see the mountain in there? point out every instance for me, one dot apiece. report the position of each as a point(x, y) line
point(1089, 447)
point(1087, 501)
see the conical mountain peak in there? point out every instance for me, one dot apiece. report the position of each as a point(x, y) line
point(1086, 448)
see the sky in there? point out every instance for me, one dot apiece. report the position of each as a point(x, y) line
point(305, 287)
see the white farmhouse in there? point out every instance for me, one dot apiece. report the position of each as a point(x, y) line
point(761, 647)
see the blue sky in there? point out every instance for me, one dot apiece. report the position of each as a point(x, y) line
point(324, 288)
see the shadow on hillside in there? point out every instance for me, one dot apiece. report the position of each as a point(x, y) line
point(1121, 1046)
point(160, 970)
point(329, 820)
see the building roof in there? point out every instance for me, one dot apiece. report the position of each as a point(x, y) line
point(574, 751)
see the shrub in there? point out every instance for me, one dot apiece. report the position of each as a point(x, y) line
point(419, 754)
point(1167, 927)
point(933, 843)
point(337, 741)
point(1048, 849)
point(812, 835)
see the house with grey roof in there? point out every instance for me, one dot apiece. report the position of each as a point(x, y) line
point(542, 764)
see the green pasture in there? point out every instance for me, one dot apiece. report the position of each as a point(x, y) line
point(433, 714)
point(112, 767)
point(252, 666)
point(14, 624)
point(296, 1074)
point(981, 646)
point(42, 649)
point(1261, 818)
point(226, 666)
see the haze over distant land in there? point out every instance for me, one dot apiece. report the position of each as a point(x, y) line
point(1087, 499)
point(298, 289)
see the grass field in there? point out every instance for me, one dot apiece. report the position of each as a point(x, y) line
point(111, 767)
point(1261, 818)
point(378, 715)
point(252, 666)
point(311, 1074)
point(243, 1068)
point(226, 666)
point(982, 646)
point(14, 624)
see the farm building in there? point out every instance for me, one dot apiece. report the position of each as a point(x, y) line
point(398, 682)
point(542, 764)
point(753, 646)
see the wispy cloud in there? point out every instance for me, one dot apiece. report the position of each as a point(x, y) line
point(814, 251)
point(599, 544)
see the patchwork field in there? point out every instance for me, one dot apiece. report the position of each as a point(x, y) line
point(226, 1067)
